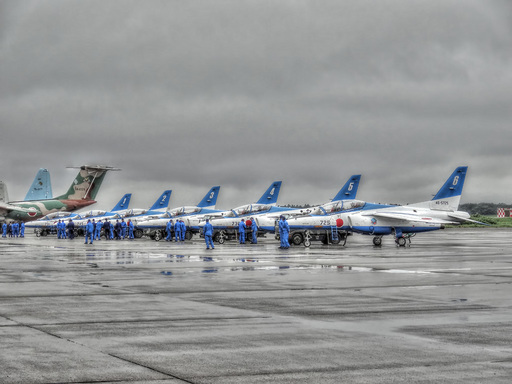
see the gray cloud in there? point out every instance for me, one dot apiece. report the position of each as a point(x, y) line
point(186, 95)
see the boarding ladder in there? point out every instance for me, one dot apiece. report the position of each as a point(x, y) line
point(334, 233)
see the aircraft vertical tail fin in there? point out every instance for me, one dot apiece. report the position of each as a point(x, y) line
point(4, 196)
point(210, 199)
point(349, 190)
point(41, 188)
point(123, 203)
point(271, 194)
point(162, 202)
point(448, 197)
point(87, 183)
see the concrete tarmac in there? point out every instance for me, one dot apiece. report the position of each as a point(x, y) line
point(438, 311)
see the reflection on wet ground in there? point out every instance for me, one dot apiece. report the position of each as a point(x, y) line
point(144, 311)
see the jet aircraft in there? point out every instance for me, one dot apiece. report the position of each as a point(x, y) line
point(155, 227)
point(268, 222)
point(47, 224)
point(225, 224)
point(401, 221)
point(81, 193)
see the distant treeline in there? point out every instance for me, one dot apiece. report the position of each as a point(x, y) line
point(471, 208)
point(483, 208)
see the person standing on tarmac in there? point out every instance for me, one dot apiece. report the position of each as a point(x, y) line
point(22, 229)
point(183, 230)
point(177, 230)
point(89, 231)
point(123, 229)
point(4, 229)
point(254, 229)
point(208, 232)
point(106, 229)
point(168, 231)
point(241, 231)
point(284, 232)
point(130, 230)
point(97, 230)
point(71, 229)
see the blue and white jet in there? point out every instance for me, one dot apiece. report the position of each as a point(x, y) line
point(401, 221)
point(47, 224)
point(154, 227)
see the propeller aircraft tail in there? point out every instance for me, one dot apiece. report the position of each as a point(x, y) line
point(41, 188)
point(87, 183)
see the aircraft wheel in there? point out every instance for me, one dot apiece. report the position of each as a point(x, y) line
point(219, 237)
point(401, 241)
point(44, 233)
point(158, 236)
point(138, 233)
point(307, 243)
point(324, 239)
point(336, 241)
point(188, 235)
point(377, 241)
point(297, 239)
point(38, 232)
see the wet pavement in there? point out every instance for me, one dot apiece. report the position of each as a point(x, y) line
point(157, 312)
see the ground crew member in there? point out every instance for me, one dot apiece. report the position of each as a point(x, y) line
point(97, 230)
point(89, 231)
point(183, 230)
point(208, 232)
point(177, 230)
point(22, 229)
point(241, 231)
point(106, 229)
point(4, 230)
point(118, 230)
point(284, 231)
point(123, 229)
point(168, 228)
point(130, 229)
point(254, 229)
point(71, 229)
point(111, 226)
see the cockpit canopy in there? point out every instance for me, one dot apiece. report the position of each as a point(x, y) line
point(338, 206)
point(58, 215)
point(248, 209)
point(183, 211)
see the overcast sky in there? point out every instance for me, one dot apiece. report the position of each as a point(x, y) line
point(184, 95)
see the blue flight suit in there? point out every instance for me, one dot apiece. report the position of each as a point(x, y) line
point(59, 230)
point(208, 233)
point(97, 231)
point(183, 230)
point(4, 230)
point(89, 232)
point(284, 232)
point(241, 231)
point(130, 230)
point(254, 229)
point(168, 231)
point(22, 230)
point(16, 227)
point(63, 226)
point(111, 227)
point(177, 230)
point(123, 229)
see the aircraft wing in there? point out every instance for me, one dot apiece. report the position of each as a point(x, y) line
point(460, 218)
point(411, 218)
point(6, 207)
